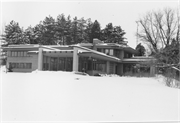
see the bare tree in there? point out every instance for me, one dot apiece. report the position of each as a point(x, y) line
point(159, 28)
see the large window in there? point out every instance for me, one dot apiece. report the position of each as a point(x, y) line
point(45, 63)
point(61, 63)
point(111, 52)
point(99, 65)
point(101, 50)
point(20, 65)
point(127, 55)
point(89, 64)
point(107, 51)
point(116, 53)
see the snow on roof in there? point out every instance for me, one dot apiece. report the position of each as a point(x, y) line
point(57, 50)
point(50, 48)
point(33, 52)
point(139, 59)
point(57, 45)
point(23, 46)
point(143, 57)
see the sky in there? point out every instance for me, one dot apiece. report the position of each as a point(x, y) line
point(120, 12)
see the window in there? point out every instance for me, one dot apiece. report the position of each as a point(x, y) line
point(24, 65)
point(22, 54)
point(103, 50)
point(25, 53)
point(116, 53)
point(17, 65)
point(99, 65)
point(15, 53)
point(12, 53)
point(29, 65)
point(21, 65)
point(107, 51)
point(46, 66)
point(19, 53)
point(98, 49)
point(9, 53)
point(111, 52)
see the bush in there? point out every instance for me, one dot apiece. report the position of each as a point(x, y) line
point(171, 77)
point(2, 62)
point(97, 74)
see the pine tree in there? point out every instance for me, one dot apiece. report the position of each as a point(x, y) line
point(30, 35)
point(113, 34)
point(49, 31)
point(88, 32)
point(75, 31)
point(140, 49)
point(95, 30)
point(62, 28)
point(14, 34)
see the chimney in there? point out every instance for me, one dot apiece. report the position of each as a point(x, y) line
point(96, 41)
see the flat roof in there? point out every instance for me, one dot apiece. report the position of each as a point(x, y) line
point(96, 54)
point(138, 59)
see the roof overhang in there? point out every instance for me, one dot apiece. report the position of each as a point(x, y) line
point(49, 51)
point(138, 60)
point(86, 52)
point(99, 56)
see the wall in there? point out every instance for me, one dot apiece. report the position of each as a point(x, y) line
point(127, 55)
point(121, 54)
point(32, 59)
point(120, 69)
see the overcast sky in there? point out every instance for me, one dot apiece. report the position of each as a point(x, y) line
point(120, 13)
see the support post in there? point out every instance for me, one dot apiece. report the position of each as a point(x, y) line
point(120, 69)
point(121, 54)
point(152, 71)
point(108, 67)
point(75, 59)
point(40, 59)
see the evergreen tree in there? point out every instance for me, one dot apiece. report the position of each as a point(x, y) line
point(82, 26)
point(30, 35)
point(140, 49)
point(75, 31)
point(14, 34)
point(88, 32)
point(95, 31)
point(113, 34)
point(63, 31)
point(49, 31)
point(68, 36)
point(170, 54)
point(39, 30)
point(62, 28)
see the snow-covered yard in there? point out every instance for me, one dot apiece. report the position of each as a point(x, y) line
point(65, 96)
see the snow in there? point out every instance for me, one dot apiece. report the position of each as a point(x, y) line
point(66, 96)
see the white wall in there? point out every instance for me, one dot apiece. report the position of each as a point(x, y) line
point(32, 59)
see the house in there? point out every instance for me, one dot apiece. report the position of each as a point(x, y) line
point(92, 58)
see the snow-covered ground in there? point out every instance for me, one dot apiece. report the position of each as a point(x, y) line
point(65, 96)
